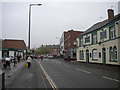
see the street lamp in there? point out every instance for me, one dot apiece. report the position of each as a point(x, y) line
point(30, 22)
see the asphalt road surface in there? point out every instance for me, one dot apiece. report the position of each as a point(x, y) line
point(69, 75)
point(32, 77)
point(56, 73)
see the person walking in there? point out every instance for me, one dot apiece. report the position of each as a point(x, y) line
point(8, 62)
point(29, 61)
point(41, 57)
point(15, 61)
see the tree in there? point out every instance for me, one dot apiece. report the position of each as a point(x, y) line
point(43, 50)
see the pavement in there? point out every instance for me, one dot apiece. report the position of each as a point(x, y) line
point(23, 77)
point(108, 67)
point(10, 72)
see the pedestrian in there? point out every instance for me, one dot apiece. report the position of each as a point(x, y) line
point(8, 62)
point(15, 61)
point(18, 57)
point(41, 57)
point(29, 61)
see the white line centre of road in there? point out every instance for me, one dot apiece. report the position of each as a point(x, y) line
point(67, 66)
point(83, 70)
point(48, 78)
point(111, 79)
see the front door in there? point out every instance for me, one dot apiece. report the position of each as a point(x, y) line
point(104, 55)
point(87, 56)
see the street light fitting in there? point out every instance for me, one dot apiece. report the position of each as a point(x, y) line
point(39, 4)
point(35, 4)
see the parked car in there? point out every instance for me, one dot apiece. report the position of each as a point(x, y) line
point(50, 57)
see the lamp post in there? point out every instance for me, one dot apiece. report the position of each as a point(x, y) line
point(30, 22)
point(59, 46)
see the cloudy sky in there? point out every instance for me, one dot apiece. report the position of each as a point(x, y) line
point(51, 19)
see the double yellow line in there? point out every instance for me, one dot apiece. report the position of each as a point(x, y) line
point(48, 78)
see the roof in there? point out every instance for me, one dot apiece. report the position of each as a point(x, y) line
point(100, 24)
point(53, 46)
point(16, 44)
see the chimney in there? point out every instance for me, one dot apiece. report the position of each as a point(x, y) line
point(110, 14)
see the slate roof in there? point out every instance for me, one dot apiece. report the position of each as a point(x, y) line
point(16, 44)
point(100, 24)
point(53, 46)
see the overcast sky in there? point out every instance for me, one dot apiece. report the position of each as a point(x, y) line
point(51, 19)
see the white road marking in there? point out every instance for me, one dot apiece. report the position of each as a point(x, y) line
point(83, 70)
point(111, 79)
point(67, 66)
point(54, 87)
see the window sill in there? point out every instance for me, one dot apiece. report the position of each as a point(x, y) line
point(94, 59)
point(113, 61)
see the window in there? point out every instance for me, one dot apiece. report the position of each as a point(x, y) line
point(82, 55)
point(81, 42)
point(94, 54)
point(113, 54)
point(103, 35)
point(94, 38)
point(112, 32)
point(87, 39)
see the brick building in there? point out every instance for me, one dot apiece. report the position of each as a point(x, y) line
point(55, 49)
point(70, 44)
point(13, 48)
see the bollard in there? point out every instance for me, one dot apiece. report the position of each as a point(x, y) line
point(3, 81)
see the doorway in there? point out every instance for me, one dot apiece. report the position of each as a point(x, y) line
point(87, 56)
point(104, 55)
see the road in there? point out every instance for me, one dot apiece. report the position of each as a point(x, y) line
point(56, 73)
point(70, 75)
